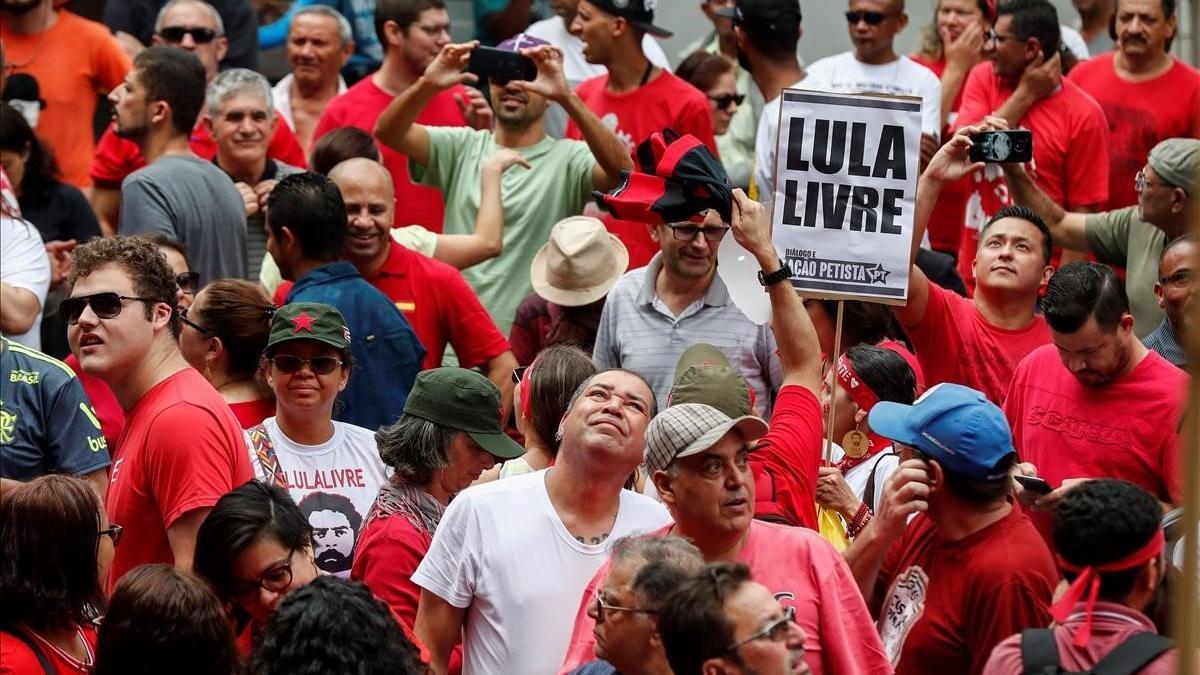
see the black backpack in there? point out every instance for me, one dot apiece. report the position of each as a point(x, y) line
point(1039, 654)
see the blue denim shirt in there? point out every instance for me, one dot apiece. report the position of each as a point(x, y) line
point(387, 354)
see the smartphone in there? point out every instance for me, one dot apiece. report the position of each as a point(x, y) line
point(1034, 484)
point(1002, 146)
point(500, 66)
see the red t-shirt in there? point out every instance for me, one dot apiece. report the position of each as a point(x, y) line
point(1137, 116)
point(666, 102)
point(16, 658)
point(441, 308)
point(948, 603)
point(786, 459)
point(946, 221)
point(118, 157)
point(252, 413)
point(360, 107)
point(157, 477)
point(803, 571)
point(104, 402)
point(955, 343)
point(1070, 154)
point(386, 555)
point(1127, 429)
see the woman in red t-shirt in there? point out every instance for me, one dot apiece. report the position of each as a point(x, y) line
point(55, 548)
point(223, 334)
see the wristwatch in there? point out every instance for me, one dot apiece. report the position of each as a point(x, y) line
point(782, 274)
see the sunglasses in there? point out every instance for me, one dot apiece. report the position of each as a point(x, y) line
point(320, 365)
point(775, 631)
point(183, 316)
point(725, 101)
point(200, 35)
point(106, 305)
point(689, 232)
point(601, 607)
point(114, 532)
point(188, 282)
point(872, 18)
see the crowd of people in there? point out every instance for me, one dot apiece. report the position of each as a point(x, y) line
point(387, 367)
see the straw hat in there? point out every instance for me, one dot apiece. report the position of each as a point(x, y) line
point(579, 264)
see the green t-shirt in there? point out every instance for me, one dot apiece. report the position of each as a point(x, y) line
point(1121, 237)
point(558, 185)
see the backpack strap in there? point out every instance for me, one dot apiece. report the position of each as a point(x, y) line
point(1133, 654)
point(265, 452)
point(44, 660)
point(868, 495)
point(1039, 652)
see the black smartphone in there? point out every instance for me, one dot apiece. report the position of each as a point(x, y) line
point(1002, 146)
point(500, 66)
point(1034, 484)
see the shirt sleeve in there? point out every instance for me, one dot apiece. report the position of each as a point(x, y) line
point(451, 567)
point(182, 481)
point(1087, 160)
point(144, 210)
point(1108, 235)
point(416, 238)
point(471, 331)
point(76, 440)
point(849, 640)
point(606, 352)
point(446, 149)
point(931, 106)
point(25, 264)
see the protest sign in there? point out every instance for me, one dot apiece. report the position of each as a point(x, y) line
point(845, 190)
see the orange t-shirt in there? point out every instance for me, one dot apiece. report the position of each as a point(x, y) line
point(74, 62)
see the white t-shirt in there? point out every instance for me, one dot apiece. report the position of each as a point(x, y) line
point(502, 553)
point(843, 73)
point(23, 264)
point(765, 145)
point(334, 483)
point(857, 476)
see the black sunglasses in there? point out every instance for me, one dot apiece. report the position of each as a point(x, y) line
point(114, 532)
point(106, 305)
point(188, 282)
point(200, 34)
point(872, 18)
point(320, 365)
point(725, 100)
point(183, 316)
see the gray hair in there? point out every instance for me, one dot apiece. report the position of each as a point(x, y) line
point(212, 12)
point(343, 25)
point(237, 81)
point(662, 564)
point(415, 447)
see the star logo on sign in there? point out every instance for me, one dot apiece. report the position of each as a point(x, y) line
point(877, 274)
point(303, 321)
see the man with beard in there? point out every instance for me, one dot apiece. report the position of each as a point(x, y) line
point(63, 51)
point(1176, 293)
point(558, 183)
point(179, 195)
point(319, 44)
point(335, 525)
point(1096, 404)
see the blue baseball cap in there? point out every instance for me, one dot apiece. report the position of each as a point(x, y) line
point(956, 425)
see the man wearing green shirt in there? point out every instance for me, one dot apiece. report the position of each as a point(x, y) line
point(559, 182)
point(1134, 236)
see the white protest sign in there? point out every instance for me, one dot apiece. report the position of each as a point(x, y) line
point(845, 189)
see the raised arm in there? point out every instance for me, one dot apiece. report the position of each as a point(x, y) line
point(799, 350)
point(397, 127)
point(611, 154)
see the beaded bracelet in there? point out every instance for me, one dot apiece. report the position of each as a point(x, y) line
point(859, 521)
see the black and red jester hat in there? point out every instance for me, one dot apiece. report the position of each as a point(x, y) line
point(678, 179)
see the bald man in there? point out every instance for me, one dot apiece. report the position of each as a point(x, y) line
point(438, 303)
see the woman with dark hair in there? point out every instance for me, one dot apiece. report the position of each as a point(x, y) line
point(339, 145)
point(540, 399)
point(715, 76)
point(55, 550)
point(853, 486)
point(164, 620)
point(223, 336)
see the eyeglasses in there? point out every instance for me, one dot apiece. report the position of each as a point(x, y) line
point(726, 101)
point(992, 36)
point(113, 531)
point(183, 316)
point(320, 365)
point(188, 282)
point(1141, 183)
point(602, 607)
point(277, 578)
point(872, 18)
point(775, 631)
point(689, 232)
point(200, 34)
point(519, 374)
point(106, 305)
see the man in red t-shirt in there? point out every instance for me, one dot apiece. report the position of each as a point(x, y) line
point(412, 33)
point(118, 157)
point(123, 327)
point(1147, 94)
point(434, 297)
point(1097, 404)
point(1070, 156)
point(978, 341)
point(635, 98)
point(967, 570)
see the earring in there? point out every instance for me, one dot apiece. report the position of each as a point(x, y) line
point(856, 444)
point(558, 435)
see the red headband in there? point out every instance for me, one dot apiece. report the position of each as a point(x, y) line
point(1088, 582)
point(858, 390)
